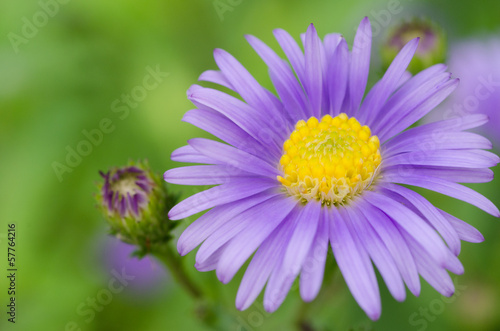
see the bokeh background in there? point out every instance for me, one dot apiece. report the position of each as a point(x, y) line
point(64, 77)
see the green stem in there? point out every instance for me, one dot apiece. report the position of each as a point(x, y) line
point(174, 265)
point(205, 310)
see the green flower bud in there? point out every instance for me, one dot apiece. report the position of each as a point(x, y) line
point(135, 202)
point(431, 48)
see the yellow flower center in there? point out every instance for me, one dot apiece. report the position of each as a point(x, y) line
point(330, 160)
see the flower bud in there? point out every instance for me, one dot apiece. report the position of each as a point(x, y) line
point(431, 48)
point(135, 202)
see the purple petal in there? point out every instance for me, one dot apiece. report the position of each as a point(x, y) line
point(249, 89)
point(355, 265)
point(216, 77)
point(445, 158)
point(270, 252)
point(246, 242)
point(237, 189)
point(412, 223)
point(419, 85)
point(389, 82)
point(287, 86)
point(203, 175)
point(221, 127)
point(439, 130)
point(402, 122)
point(436, 141)
point(458, 175)
point(435, 275)
point(241, 222)
point(330, 42)
point(132, 202)
point(122, 207)
point(313, 268)
point(233, 157)
point(134, 169)
point(297, 248)
point(360, 64)
point(253, 121)
point(465, 231)
point(377, 250)
point(292, 52)
point(404, 78)
point(445, 187)
point(212, 262)
point(395, 243)
point(189, 155)
point(338, 66)
point(209, 222)
point(302, 238)
point(135, 203)
point(313, 70)
point(431, 214)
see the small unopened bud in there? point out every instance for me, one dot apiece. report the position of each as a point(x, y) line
point(431, 48)
point(135, 202)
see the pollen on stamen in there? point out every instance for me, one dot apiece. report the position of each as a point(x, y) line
point(331, 160)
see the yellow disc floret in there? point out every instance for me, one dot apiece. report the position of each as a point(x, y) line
point(330, 160)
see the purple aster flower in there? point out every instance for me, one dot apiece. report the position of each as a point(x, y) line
point(477, 63)
point(318, 165)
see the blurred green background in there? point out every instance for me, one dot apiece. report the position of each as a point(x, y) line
point(65, 77)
